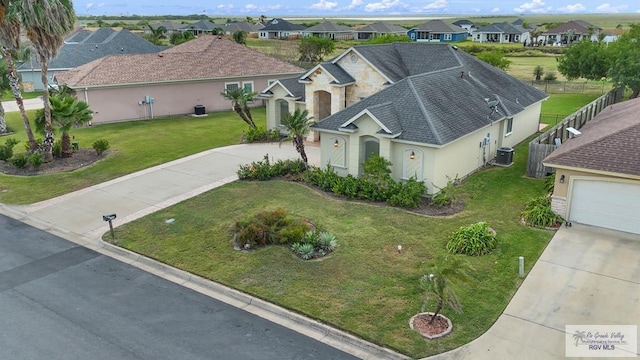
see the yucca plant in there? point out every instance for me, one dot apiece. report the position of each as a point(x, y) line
point(305, 251)
point(475, 240)
point(538, 213)
point(327, 241)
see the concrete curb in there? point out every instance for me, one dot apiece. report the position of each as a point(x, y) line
point(309, 327)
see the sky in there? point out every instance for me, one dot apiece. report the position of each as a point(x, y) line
point(329, 8)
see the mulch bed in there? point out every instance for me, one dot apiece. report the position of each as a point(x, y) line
point(80, 158)
point(421, 323)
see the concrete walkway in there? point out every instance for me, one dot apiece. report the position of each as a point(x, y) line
point(29, 104)
point(78, 217)
point(585, 276)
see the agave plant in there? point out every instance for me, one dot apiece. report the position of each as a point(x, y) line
point(327, 241)
point(305, 251)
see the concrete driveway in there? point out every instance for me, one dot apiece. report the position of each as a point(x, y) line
point(29, 104)
point(586, 276)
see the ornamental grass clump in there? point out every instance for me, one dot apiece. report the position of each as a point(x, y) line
point(538, 213)
point(474, 240)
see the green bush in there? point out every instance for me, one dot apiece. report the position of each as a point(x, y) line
point(264, 170)
point(549, 183)
point(57, 148)
point(315, 244)
point(255, 135)
point(20, 161)
point(35, 160)
point(407, 194)
point(324, 179)
point(550, 76)
point(6, 150)
point(475, 240)
point(305, 251)
point(447, 195)
point(100, 146)
point(537, 212)
point(270, 227)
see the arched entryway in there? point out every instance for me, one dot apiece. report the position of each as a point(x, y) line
point(282, 110)
point(369, 146)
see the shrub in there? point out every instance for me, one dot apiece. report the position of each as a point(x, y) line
point(274, 134)
point(549, 183)
point(255, 135)
point(377, 168)
point(270, 227)
point(475, 240)
point(407, 194)
point(447, 195)
point(35, 160)
point(6, 150)
point(19, 161)
point(100, 146)
point(305, 251)
point(324, 179)
point(57, 148)
point(537, 212)
point(264, 170)
point(327, 241)
point(315, 244)
point(550, 76)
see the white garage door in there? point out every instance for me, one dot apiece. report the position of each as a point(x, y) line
point(611, 205)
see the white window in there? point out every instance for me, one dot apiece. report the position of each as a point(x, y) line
point(509, 126)
point(447, 36)
point(247, 86)
point(231, 85)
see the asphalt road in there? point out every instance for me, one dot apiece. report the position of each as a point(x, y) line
point(62, 301)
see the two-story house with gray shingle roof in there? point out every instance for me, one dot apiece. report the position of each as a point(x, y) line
point(280, 29)
point(376, 29)
point(173, 81)
point(433, 111)
point(329, 30)
point(465, 24)
point(503, 33)
point(437, 31)
point(82, 47)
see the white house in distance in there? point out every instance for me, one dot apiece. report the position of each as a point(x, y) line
point(433, 111)
point(280, 29)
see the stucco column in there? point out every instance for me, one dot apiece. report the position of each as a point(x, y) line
point(353, 155)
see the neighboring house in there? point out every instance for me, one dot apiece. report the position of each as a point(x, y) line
point(82, 47)
point(201, 27)
point(231, 27)
point(330, 30)
point(570, 32)
point(174, 81)
point(169, 25)
point(280, 29)
point(376, 29)
point(433, 111)
point(503, 33)
point(437, 31)
point(607, 37)
point(465, 24)
point(598, 171)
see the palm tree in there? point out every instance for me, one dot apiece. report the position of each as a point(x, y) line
point(47, 22)
point(156, 34)
point(10, 41)
point(240, 100)
point(66, 112)
point(538, 71)
point(445, 272)
point(298, 125)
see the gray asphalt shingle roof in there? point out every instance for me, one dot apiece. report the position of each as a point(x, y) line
point(440, 104)
point(86, 46)
point(440, 27)
point(383, 28)
point(201, 25)
point(341, 76)
point(282, 25)
point(504, 28)
point(328, 26)
point(294, 87)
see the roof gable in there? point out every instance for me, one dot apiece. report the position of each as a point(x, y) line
point(610, 142)
point(440, 27)
point(282, 25)
point(383, 27)
point(328, 26)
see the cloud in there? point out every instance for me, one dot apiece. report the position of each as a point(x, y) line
point(324, 5)
point(91, 5)
point(475, 10)
point(250, 6)
point(223, 6)
point(572, 8)
point(436, 5)
point(495, 10)
point(382, 5)
point(535, 6)
point(254, 7)
point(354, 4)
point(608, 8)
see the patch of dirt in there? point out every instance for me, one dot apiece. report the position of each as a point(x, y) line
point(80, 158)
point(421, 323)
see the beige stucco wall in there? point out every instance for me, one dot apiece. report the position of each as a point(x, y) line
point(121, 103)
point(525, 124)
point(272, 111)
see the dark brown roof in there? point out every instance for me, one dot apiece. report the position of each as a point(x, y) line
point(610, 142)
point(580, 27)
point(207, 57)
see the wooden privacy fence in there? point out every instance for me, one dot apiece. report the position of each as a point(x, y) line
point(545, 144)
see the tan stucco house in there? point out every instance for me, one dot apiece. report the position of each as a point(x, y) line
point(432, 110)
point(598, 171)
point(173, 81)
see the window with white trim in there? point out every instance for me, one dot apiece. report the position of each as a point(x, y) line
point(509, 126)
point(448, 36)
point(247, 86)
point(231, 85)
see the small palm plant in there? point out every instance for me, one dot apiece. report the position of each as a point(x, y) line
point(240, 100)
point(66, 112)
point(445, 273)
point(298, 125)
point(538, 71)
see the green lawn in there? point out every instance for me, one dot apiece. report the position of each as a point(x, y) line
point(365, 287)
point(135, 145)
point(8, 95)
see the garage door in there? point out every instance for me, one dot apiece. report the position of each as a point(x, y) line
point(611, 205)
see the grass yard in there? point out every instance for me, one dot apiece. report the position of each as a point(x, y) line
point(8, 95)
point(365, 287)
point(522, 67)
point(135, 145)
